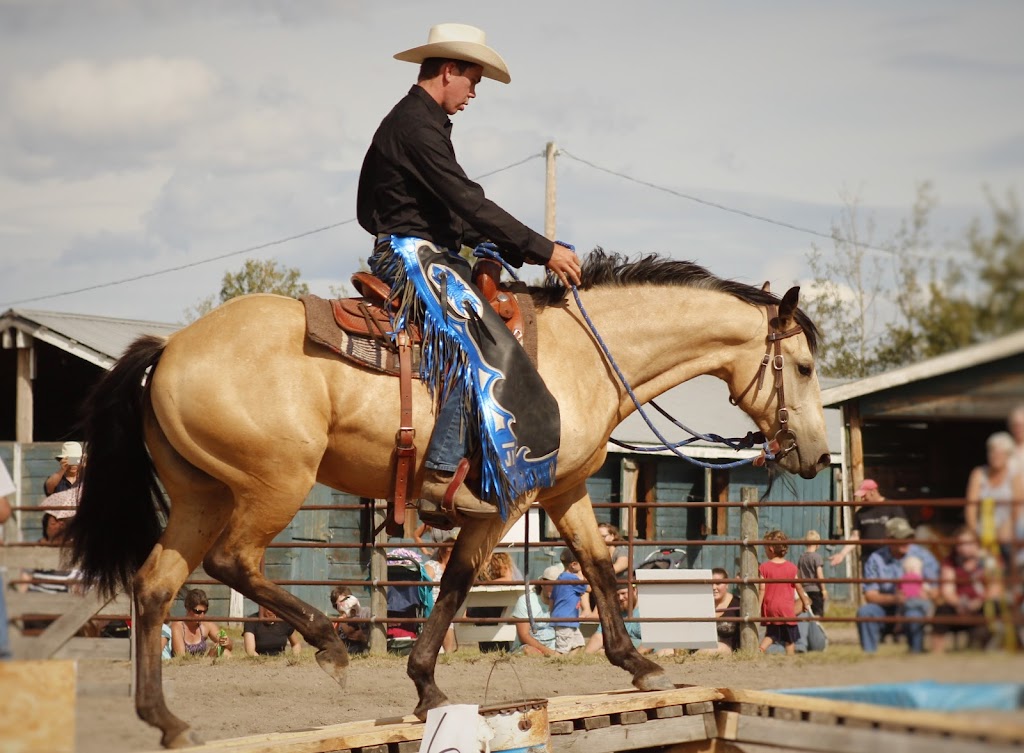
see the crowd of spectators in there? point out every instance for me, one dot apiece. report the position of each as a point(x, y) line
point(907, 591)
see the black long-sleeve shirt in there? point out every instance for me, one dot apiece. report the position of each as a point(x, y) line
point(412, 185)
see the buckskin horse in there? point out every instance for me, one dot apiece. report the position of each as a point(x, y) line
point(239, 414)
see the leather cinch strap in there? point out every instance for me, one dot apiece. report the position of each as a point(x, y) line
point(405, 447)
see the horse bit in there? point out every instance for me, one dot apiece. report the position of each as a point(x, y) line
point(773, 341)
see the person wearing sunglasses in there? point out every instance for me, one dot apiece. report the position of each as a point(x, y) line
point(194, 635)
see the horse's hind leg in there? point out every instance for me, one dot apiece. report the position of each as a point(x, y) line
point(195, 520)
point(573, 514)
point(235, 561)
point(476, 540)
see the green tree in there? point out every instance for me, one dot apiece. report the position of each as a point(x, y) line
point(934, 313)
point(931, 301)
point(842, 297)
point(1001, 273)
point(255, 276)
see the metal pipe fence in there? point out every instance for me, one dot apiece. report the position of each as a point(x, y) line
point(747, 579)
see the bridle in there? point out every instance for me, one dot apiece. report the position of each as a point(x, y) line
point(773, 342)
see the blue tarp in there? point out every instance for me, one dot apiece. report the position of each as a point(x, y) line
point(927, 694)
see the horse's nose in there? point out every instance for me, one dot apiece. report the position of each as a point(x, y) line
point(824, 461)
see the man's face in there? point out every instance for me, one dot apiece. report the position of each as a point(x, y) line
point(622, 595)
point(871, 495)
point(460, 87)
point(899, 551)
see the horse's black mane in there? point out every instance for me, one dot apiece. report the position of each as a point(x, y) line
point(601, 268)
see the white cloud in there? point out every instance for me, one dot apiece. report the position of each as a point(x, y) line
point(92, 102)
point(165, 132)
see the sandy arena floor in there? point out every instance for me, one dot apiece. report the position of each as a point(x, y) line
point(243, 696)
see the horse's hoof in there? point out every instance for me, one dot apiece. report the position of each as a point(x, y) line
point(428, 702)
point(653, 681)
point(184, 739)
point(334, 663)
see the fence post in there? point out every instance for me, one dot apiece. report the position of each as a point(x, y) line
point(378, 572)
point(748, 568)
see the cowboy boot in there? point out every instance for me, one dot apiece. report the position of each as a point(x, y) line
point(447, 494)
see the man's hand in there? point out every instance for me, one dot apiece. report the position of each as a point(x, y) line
point(565, 264)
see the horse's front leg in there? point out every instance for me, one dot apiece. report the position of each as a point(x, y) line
point(475, 542)
point(573, 514)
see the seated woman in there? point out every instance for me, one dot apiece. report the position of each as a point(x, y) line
point(964, 587)
point(726, 605)
point(195, 637)
point(269, 636)
point(537, 639)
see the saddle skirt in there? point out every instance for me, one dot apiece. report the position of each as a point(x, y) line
point(359, 329)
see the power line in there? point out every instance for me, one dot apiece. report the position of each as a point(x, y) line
point(742, 212)
point(229, 254)
point(180, 267)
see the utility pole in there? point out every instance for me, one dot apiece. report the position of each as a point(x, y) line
point(550, 190)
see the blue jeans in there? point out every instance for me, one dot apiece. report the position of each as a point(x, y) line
point(5, 646)
point(871, 632)
point(448, 442)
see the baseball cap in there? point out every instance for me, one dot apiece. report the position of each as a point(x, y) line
point(898, 528)
point(867, 485)
point(551, 573)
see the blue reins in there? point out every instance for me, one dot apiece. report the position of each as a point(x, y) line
point(489, 250)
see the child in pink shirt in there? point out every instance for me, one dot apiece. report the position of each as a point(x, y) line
point(777, 598)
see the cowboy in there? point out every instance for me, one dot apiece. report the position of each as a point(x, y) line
point(421, 207)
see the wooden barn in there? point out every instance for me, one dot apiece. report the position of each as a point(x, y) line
point(919, 430)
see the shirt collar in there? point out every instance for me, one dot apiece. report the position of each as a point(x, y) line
point(437, 114)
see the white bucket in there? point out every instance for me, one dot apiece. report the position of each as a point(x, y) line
point(514, 727)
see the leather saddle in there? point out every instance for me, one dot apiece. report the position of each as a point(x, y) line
point(370, 315)
point(359, 329)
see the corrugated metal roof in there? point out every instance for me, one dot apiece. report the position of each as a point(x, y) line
point(99, 339)
point(958, 360)
point(703, 405)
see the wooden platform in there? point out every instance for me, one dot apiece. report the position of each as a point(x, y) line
point(686, 720)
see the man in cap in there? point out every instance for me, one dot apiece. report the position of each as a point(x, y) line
point(885, 598)
point(70, 458)
point(421, 207)
point(868, 521)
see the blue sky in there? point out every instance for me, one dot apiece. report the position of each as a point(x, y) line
point(136, 137)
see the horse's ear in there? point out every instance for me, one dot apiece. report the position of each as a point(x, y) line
point(787, 307)
point(767, 287)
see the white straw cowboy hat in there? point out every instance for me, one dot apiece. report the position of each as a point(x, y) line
point(459, 42)
point(69, 450)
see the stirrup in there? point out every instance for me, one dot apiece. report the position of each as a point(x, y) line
point(434, 517)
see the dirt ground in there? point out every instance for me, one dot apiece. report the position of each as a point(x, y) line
point(247, 696)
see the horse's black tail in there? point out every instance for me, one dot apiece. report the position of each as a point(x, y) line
point(121, 511)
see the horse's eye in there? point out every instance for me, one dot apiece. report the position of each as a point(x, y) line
point(804, 370)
